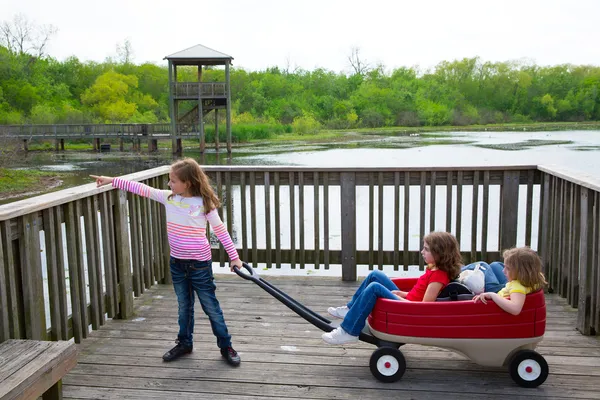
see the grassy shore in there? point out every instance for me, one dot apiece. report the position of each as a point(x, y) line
point(13, 182)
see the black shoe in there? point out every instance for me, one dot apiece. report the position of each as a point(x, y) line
point(231, 356)
point(177, 352)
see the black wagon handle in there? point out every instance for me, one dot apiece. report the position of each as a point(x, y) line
point(251, 276)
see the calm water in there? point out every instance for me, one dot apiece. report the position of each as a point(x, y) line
point(578, 150)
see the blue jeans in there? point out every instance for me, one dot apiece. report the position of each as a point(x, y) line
point(191, 276)
point(495, 279)
point(375, 285)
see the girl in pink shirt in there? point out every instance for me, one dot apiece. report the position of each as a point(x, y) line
point(189, 205)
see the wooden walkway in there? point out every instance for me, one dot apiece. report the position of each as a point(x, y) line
point(283, 356)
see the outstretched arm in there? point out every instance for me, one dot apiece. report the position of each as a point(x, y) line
point(102, 180)
point(512, 305)
point(131, 186)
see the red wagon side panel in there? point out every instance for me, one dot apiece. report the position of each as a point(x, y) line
point(458, 319)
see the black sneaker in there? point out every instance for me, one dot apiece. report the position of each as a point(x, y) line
point(177, 352)
point(231, 356)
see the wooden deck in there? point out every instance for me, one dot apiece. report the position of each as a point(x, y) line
point(283, 356)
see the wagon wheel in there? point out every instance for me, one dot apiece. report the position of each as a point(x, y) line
point(528, 369)
point(387, 364)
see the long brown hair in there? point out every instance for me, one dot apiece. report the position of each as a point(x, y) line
point(527, 266)
point(446, 252)
point(189, 171)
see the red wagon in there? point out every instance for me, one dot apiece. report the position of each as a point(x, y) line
point(484, 333)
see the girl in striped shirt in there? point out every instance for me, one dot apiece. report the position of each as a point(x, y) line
point(189, 204)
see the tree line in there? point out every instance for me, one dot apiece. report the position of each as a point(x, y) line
point(38, 89)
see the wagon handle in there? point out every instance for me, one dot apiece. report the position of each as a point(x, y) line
point(252, 276)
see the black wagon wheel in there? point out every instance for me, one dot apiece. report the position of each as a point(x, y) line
point(528, 369)
point(387, 364)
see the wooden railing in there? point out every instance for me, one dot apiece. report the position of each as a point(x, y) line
point(113, 245)
point(197, 89)
point(570, 241)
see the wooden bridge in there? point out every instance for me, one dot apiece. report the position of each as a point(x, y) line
point(137, 134)
point(117, 303)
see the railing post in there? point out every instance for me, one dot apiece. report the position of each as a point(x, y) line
point(4, 333)
point(509, 209)
point(348, 214)
point(125, 278)
point(31, 275)
point(545, 222)
point(586, 261)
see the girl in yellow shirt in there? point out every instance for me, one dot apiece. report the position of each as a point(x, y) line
point(523, 269)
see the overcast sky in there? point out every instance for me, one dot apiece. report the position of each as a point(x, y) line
point(310, 34)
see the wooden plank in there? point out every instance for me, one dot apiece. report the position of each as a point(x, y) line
point(326, 221)
point(113, 249)
point(396, 221)
point(348, 217)
point(75, 264)
point(301, 219)
point(54, 293)
point(559, 235)
point(544, 222)
point(81, 280)
point(316, 217)
point(485, 214)
point(90, 220)
point(574, 244)
point(97, 279)
point(244, 216)
point(267, 189)
point(595, 280)
point(380, 221)
point(136, 248)
point(4, 308)
point(155, 236)
point(509, 209)
point(165, 248)
point(277, 220)
point(219, 183)
point(406, 231)
point(15, 317)
point(146, 260)
point(228, 201)
point(292, 220)
point(122, 254)
point(529, 208)
point(586, 249)
point(371, 208)
point(253, 217)
point(32, 281)
point(474, 212)
point(459, 196)
point(422, 195)
point(432, 196)
point(60, 239)
point(449, 183)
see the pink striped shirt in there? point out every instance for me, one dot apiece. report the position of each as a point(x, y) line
point(186, 222)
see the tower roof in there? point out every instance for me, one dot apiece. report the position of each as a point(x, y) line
point(198, 53)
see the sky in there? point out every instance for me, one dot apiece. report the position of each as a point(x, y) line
point(313, 34)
